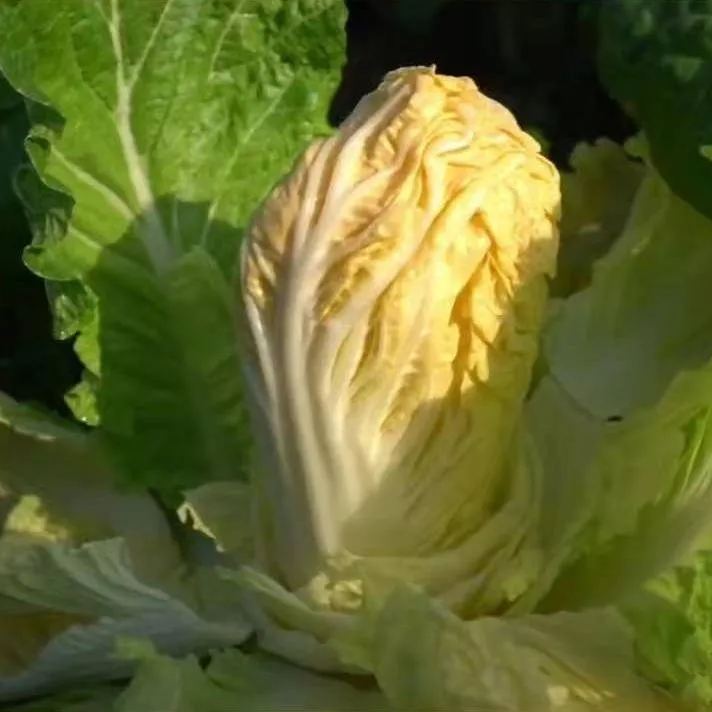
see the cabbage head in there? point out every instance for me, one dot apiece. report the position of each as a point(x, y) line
point(394, 286)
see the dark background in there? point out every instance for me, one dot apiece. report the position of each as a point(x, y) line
point(538, 57)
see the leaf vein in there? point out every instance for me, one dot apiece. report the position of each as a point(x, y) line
point(151, 228)
point(136, 74)
point(93, 182)
point(271, 107)
point(223, 35)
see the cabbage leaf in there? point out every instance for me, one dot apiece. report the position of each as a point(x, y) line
point(151, 118)
point(616, 345)
point(655, 57)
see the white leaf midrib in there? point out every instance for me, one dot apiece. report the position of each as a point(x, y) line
point(149, 226)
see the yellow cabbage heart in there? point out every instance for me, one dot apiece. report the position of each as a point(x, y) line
point(393, 288)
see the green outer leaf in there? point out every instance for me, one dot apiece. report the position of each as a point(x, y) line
point(596, 195)
point(427, 659)
point(262, 682)
point(234, 681)
point(223, 512)
point(81, 399)
point(162, 683)
point(646, 316)
point(197, 101)
point(672, 619)
point(287, 624)
point(45, 457)
point(654, 472)
point(170, 400)
point(96, 581)
point(655, 57)
point(166, 123)
point(562, 444)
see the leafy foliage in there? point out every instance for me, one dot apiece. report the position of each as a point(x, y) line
point(656, 58)
point(152, 118)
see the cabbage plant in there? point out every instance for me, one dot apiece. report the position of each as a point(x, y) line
point(423, 425)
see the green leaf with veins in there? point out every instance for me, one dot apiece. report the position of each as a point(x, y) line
point(655, 57)
point(65, 608)
point(232, 680)
point(617, 345)
point(166, 123)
